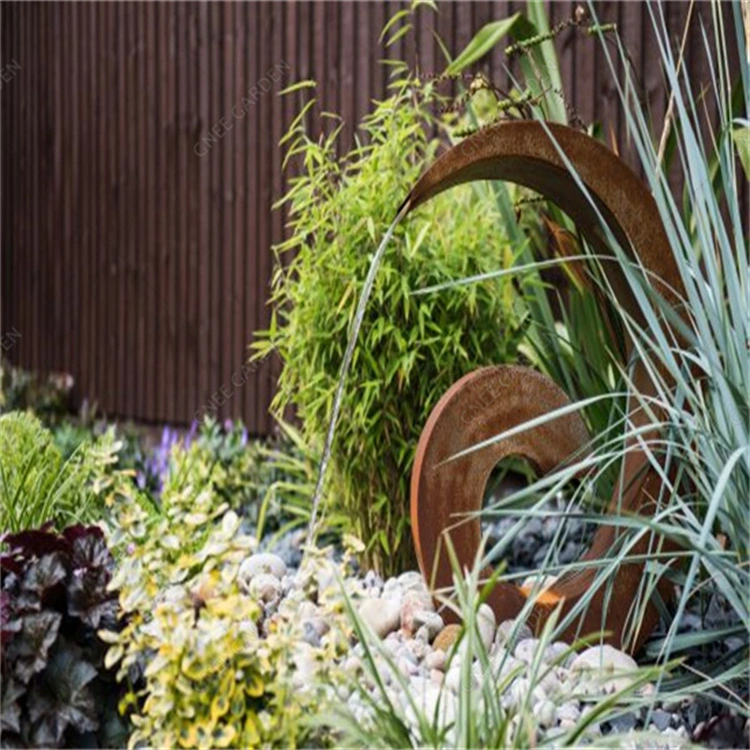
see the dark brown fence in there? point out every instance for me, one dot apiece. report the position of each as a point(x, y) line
point(140, 164)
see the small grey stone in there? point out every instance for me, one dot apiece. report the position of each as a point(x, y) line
point(406, 666)
point(540, 556)
point(549, 526)
point(661, 719)
point(433, 702)
point(568, 553)
point(288, 584)
point(453, 678)
point(690, 622)
point(623, 723)
point(533, 527)
point(352, 664)
point(326, 579)
point(394, 641)
point(304, 660)
point(553, 732)
point(310, 635)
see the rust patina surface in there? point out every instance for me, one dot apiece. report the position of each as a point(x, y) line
point(491, 400)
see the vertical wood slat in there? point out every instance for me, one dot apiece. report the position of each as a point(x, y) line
point(250, 390)
point(130, 220)
point(239, 334)
point(33, 172)
point(143, 267)
point(264, 187)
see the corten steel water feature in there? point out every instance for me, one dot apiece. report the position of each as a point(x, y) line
point(492, 400)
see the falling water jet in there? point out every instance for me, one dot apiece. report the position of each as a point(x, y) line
point(348, 354)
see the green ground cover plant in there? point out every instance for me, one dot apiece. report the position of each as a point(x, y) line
point(38, 485)
point(411, 348)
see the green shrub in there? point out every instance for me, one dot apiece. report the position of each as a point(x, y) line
point(37, 485)
point(267, 482)
point(210, 678)
point(56, 691)
point(411, 348)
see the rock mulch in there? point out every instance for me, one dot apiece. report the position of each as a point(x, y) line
point(558, 685)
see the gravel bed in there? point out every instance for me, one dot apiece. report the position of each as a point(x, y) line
point(401, 612)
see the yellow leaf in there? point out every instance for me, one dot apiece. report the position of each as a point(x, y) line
point(251, 735)
point(188, 736)
point(113, 655)
point(254, 687)
point(223, 736)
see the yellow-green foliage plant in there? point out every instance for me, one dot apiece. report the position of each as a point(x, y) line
point(411, 348)
point(200, 673)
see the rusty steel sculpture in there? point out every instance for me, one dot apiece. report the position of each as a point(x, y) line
point(493, 400)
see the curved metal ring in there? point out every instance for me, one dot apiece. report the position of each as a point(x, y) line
point(539, 156)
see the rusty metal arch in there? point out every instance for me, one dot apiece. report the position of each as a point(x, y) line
point(528, 153)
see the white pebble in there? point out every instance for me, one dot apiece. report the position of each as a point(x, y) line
point(261, 562)
point(613, 669)
point(382, 615)
point(430, 620)
point(526, 649)
point(486, 623)
point(265, 588)
point(508, 628)
point(568, 712)
point(545, 713)
point(414, 602)
point(435, 660)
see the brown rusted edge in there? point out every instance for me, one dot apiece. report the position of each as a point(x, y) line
point(525, 153)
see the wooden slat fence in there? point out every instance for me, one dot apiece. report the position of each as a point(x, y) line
point(140, 163)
